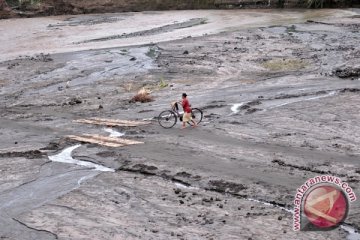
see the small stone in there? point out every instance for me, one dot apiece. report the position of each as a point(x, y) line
point(186, 52)
point(177, 191)
point(16, 142)
point(239, 208)
point(280, 218)
point(99, 98)
point(133, 59)
point(181, 202)
point(101, 107)
point(221, 206)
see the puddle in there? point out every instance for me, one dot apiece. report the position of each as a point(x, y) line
point(235, 107)
point(113, 133)
point(353, 234)
point(270, 204)
point(65, 157)
point(180, 185)
point(302, 99)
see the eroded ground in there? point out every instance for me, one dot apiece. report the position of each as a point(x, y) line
point(281, 104)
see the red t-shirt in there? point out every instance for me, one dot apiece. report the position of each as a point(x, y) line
point(186, 106)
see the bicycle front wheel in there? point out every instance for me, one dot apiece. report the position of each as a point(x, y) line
point(167, 119)
point(197, 115)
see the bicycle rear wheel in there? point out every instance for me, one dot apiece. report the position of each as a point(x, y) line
point(167, 119)
point(197, 116)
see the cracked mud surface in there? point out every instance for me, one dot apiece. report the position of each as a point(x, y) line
point(281, 105)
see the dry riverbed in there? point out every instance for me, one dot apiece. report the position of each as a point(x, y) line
point(280, 92)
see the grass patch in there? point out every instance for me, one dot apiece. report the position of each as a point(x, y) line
point(151, 53)
point(163, 84)
point(284, 64)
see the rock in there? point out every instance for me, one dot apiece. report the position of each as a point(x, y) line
point(347, 72)
point(75, 101)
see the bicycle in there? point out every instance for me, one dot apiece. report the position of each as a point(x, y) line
point(168, 118)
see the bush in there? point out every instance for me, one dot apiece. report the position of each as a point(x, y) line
point(142, 96)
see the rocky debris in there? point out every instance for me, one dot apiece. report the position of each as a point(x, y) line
point(352, 90)
point(32, 154)
point(303, 168)
point(252, 110)
point(140, 168)
point(347, 72)
point(74, 101)
point(12, 65)
point(212, 106)
point(223, 186)
point(52, 146)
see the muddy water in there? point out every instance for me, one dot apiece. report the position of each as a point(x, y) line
point(36, 35)
point(65, 157)
point(113, 133)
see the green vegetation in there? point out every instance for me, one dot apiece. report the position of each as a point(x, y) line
point(284, 64)
point(163, 84)
point(151, 53)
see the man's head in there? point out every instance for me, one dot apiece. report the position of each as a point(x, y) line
point(184, 95)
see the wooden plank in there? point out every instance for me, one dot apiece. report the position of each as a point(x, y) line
point(90, 140)
point(105, 141)
point(113, 139)
point(112, 122)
